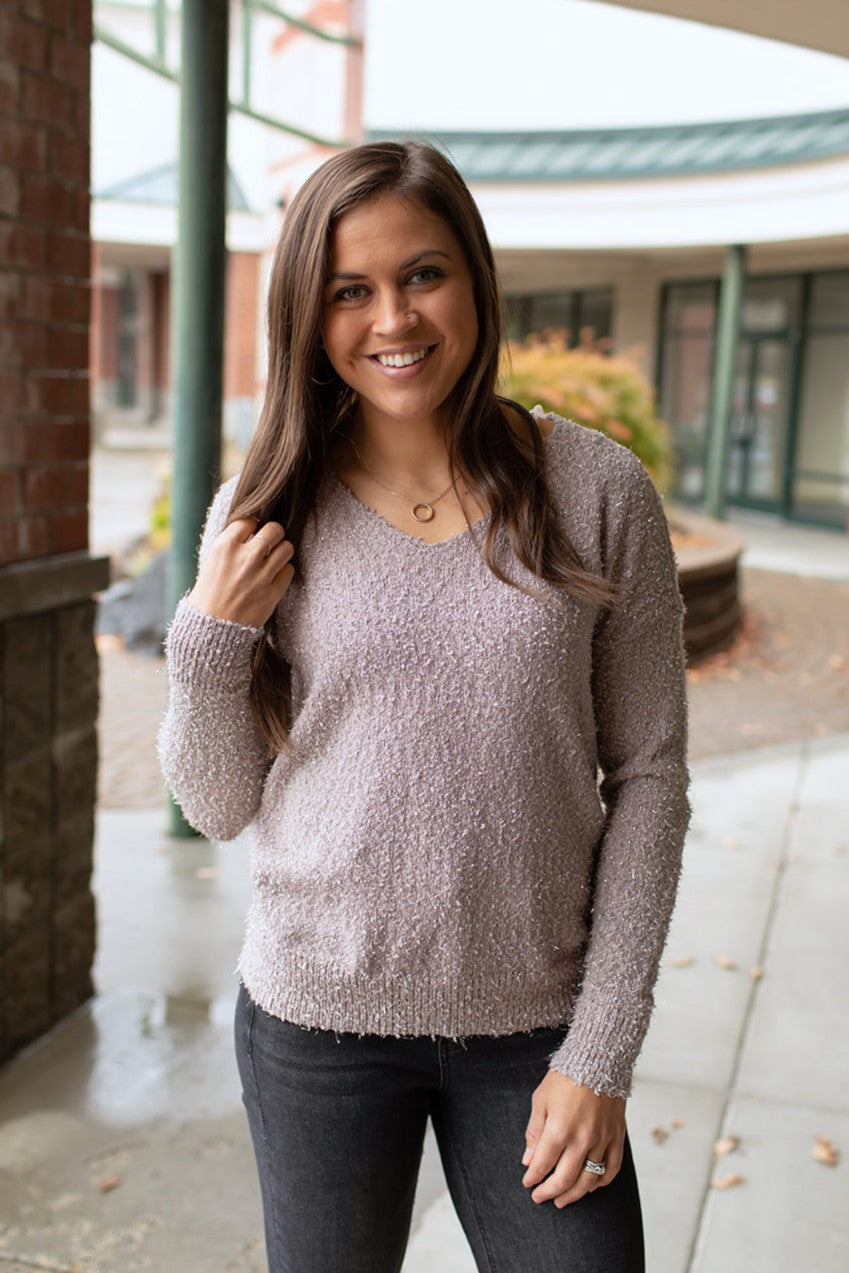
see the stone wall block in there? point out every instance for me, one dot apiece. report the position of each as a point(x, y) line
point(73, 954)
point(76, 667)
point(26, 1003)
point(74, 771)
point(27, 684)
point(26, 893)
point(74, 838)
point(28, 807)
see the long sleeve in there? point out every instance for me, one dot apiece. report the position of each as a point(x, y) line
point(639, 692)
point(210, 750)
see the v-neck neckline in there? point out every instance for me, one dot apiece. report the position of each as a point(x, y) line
point(372, 513)
point(355, 502)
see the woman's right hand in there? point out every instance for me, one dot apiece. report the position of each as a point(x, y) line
point(245, 573)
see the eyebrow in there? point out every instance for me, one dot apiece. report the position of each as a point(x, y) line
point(405, 265)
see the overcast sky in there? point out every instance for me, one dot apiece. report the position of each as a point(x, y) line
point(515, 64)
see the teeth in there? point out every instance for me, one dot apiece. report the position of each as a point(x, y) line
point(401, 360)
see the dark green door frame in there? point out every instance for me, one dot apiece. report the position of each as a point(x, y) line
point(722, 382)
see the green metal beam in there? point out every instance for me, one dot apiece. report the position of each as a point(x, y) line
point(331, 142)
point(722, 383)
point(198, 302)
point(161, 24)
point(159, 68)
point(267, 7)
point(247, 50)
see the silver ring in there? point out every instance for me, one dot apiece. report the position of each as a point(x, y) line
point(268, 546)
point(595, 1168)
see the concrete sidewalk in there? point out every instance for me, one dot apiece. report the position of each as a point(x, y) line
point(123, 1144)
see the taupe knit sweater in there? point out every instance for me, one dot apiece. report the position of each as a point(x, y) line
point(435, 856)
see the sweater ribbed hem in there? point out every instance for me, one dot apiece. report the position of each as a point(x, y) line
point(490, 1003)
point(210, 653)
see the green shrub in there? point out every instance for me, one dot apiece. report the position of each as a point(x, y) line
point(160, 518)
point(610, 394)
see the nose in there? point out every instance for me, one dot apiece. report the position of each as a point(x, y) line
point(393, 314)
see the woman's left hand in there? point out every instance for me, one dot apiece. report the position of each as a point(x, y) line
point(569, 1124)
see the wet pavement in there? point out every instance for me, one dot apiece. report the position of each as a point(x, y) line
point(123, 1145)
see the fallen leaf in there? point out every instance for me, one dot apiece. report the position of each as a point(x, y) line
point(685, 961)
point(726, 962)
point(659, 1135)
point(756, 973)
point(825, 1151)
point(108, 1183)
point(728, 1182)
point(725, 1146)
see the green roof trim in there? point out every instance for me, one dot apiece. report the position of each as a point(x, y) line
point(616, 154)
point(159, 186)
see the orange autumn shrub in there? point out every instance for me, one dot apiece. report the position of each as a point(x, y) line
point(610, 394)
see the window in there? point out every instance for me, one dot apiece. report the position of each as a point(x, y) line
point(583, 317)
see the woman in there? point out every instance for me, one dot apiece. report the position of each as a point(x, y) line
point(424, 620)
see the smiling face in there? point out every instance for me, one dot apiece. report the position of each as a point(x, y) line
point(399, 323)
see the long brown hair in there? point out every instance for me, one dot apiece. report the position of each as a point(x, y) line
point(306, 404)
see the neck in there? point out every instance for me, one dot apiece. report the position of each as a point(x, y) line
point(412, 451)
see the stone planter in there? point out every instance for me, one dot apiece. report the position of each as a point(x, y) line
point(708, 554)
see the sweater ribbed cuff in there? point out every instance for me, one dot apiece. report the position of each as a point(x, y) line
point(602, 1057)
point(210, 653)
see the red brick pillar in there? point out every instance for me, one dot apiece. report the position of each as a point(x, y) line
point(241, 327)
point(48, 664)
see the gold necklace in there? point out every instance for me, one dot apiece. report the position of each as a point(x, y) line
point(422, 510)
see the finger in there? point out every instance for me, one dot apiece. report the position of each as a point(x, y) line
point(565, 1176)
point(267, 537)
point(546, 1155)
point(243, 527)
point(613, 1156)
point(586, 1181)
point(283, 578)
point(533, 1131)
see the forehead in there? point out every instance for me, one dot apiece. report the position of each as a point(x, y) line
point(388, 227)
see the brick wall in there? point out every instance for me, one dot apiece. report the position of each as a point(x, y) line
point(44, 287)
point(241, 325)
point(48, 663)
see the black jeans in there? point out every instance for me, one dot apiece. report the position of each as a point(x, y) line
point(338, 1124)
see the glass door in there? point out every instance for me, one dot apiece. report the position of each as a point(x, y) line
point(760, 423)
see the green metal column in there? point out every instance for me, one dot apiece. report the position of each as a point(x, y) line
point(198, 302)
point(722, 383)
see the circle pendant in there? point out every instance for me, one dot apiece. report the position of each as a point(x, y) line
point(423, 512)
